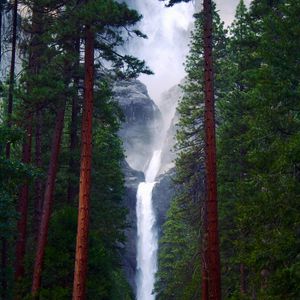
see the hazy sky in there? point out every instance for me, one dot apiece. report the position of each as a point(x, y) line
point(168, 36)
point(227, 9)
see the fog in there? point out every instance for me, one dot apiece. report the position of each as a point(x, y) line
point(168, 31)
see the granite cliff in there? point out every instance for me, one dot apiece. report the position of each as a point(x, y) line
point(142, 126)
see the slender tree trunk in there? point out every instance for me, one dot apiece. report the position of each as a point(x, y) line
point(204, 279)
point(85, 172)
point(48, 200)
point(73, 188)
point(38, 163)
point(12, 71)
point(33, 67)
point(23, 207)
point(213, 259)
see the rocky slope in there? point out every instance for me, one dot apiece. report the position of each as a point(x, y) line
point(167, 107)
point(141, 133)
point(162, 195)
point(142, 120)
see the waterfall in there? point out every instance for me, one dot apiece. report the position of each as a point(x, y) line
point(147, 236)
point(168, 32)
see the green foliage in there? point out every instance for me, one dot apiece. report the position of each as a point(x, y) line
point(13, 174)
point(257, 96)
point(52, 74)
point(179, 270)
point(258, 150)
point(105, 276)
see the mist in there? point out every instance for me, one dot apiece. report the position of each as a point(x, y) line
point(168, 31)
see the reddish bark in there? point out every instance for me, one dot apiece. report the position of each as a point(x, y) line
point(48, 200)
point(34, 66)
point(204, 278)
point(80, 273)
point(23, 207)
point(213, 257)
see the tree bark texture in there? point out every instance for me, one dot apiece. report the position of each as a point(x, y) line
point(213, 257)
point(48, 200)
point(80, 273)
point(204, 253)
point(33, 67)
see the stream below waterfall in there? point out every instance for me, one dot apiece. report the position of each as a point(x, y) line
point(147, 236)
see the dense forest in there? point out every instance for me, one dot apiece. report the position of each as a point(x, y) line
point(257, 76)
point(40, 148)
point(62, 182)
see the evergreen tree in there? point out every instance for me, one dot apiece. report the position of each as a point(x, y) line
point(255, 179)
point(233, 111)
point(187, 210)
point(51, 77)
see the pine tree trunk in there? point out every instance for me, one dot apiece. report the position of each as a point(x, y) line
point(80, 273)
point(12, 71)
point(33, 68)
point(23, 207)
point(38, 162)
point(48, 200)
point(204, 252)
point(213, 257)
point(26, 157)
point(73, 188)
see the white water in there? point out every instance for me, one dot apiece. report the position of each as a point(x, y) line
point(147, 243)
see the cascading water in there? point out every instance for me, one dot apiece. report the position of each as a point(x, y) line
point(147, 243)
point(168, 32)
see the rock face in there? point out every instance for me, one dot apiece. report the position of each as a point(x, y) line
point(6, 33)
point(132, 180)
point(142, 120)
point(162, 195)
point(168, 106)
point(142, 132)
